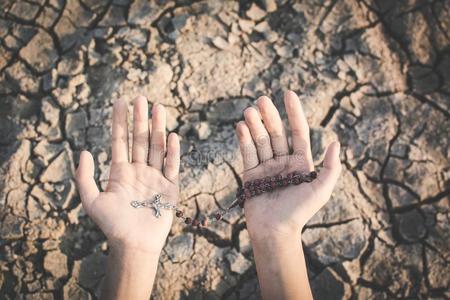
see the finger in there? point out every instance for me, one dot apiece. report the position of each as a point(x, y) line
point(299, 127)
point(259, 134)
point(158, 138)
point(248, 148)
point(140, 130)
point(330, 172)
point(120, 132)
point(149, 139)
point(172, 167)
point(274, 126)
point(85, 180)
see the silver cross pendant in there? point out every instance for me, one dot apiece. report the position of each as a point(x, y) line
point(155, 204)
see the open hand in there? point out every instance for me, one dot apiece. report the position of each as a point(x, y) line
point(265, 151)
point(149, 172)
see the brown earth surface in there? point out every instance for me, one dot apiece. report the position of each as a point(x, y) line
point(375, 74)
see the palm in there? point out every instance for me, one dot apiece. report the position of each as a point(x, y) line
point(127, 182)
point(265, 153)
point(150, 173)
point(266, 208)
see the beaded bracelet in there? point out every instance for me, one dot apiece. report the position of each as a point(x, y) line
point(250, 189)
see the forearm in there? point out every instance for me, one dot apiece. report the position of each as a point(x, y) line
point(281, 267)
point(130, 274)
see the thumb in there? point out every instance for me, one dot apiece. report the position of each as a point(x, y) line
point(331, 170)
point(85, 179)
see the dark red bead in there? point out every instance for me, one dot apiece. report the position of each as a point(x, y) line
point(218, 216)
point(285, 182)
point(195, 222)
point(179, 214)
point(188, 221)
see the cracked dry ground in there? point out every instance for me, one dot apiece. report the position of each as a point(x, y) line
point(375, 74)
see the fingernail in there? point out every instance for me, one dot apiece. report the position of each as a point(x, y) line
point(338, 145)
point(141, 98)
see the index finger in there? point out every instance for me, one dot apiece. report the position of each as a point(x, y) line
point(300, 130)
point(120, 132)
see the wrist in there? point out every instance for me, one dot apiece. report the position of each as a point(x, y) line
point(274, 250)
point(131, 272)
point(277, 234)
point(128, 249)
point(276, 239)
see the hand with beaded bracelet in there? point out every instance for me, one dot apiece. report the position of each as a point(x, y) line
point(135, 236)
point(275, 218)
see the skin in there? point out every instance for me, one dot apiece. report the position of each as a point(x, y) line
point(135, 237)
point(275, 220)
